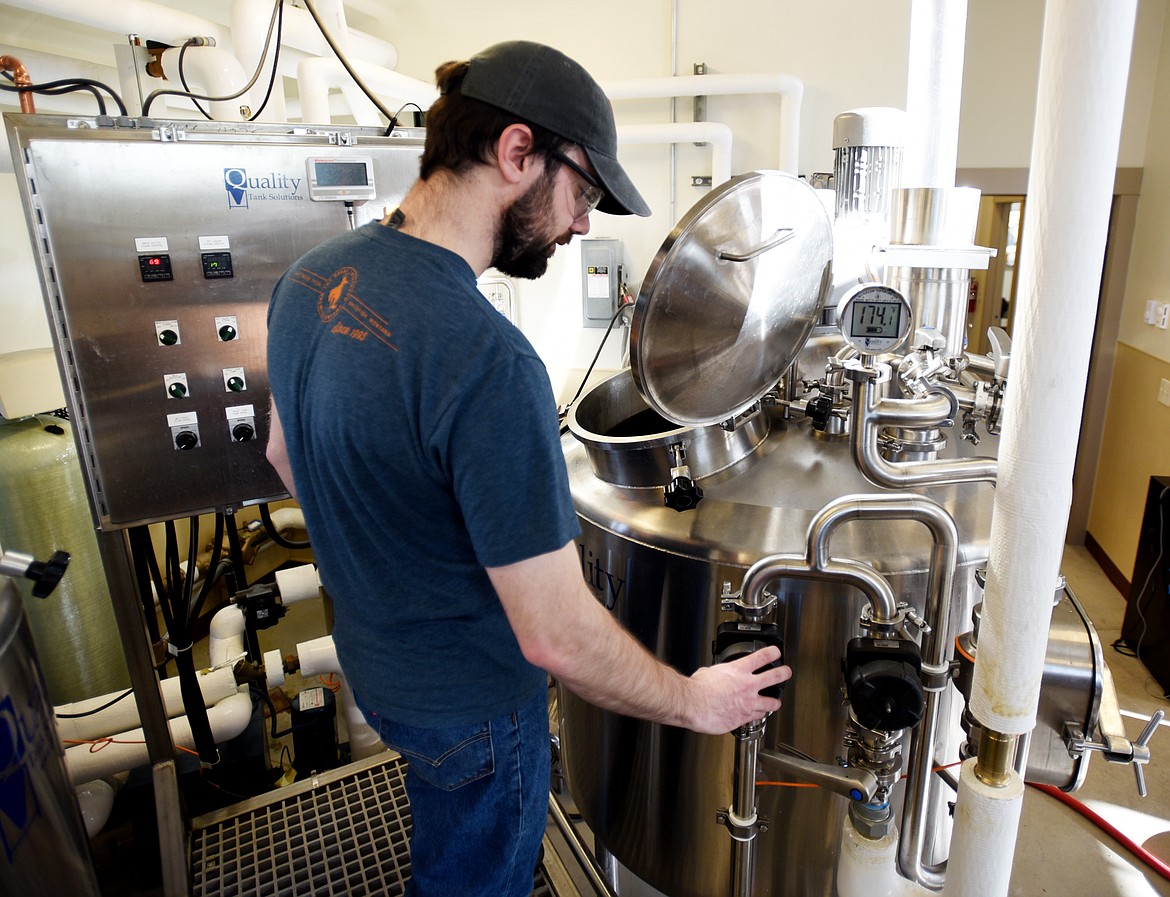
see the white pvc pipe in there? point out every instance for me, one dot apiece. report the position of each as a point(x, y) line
point(790, 89)
point(214, 684)
point(296, 584)
point(713, 133)
point(212, 72)
point(934, 92)
point(249, 24)
point(318, 657)
point(316, 75)
point(1084, 66)
point(225, 640)
point(96, 801)
point(128, 750)
point(142, 17)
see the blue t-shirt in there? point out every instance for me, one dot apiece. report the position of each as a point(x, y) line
point(424, 445)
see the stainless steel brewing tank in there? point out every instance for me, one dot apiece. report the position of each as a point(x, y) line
point(649, 792)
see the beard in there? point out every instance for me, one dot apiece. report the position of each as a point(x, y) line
point(521, 245)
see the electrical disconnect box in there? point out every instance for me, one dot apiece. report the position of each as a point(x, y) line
point(601, 261)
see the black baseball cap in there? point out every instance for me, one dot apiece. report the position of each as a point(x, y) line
point(547, 88)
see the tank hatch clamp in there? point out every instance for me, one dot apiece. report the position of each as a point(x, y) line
point(1117, 749)
point(883, 683)
point(44, 574)
point(682, 494)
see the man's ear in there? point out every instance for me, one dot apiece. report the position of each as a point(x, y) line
point(514, 156)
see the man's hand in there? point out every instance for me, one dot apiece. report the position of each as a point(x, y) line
point(726, 695)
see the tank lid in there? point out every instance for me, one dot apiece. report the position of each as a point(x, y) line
point(731, 297)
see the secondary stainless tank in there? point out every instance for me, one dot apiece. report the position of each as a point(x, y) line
point(705, 347)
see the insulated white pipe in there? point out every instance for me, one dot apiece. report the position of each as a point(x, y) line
point(214, 684)
point(142, 17)
point(713, 133)
point(210, 71)
point(128, 750)
point(790, 89)
point(249, 24)
point(319, 657)
point(934, 91)
point(315, 76)
point(1084, 65)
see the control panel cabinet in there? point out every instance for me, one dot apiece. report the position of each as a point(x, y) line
point(159, 245)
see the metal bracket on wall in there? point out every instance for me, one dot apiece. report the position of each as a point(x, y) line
point(700, 103)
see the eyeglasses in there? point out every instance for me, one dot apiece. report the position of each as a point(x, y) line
point(593, 193)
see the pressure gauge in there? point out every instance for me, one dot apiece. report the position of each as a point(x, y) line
point(874, 318)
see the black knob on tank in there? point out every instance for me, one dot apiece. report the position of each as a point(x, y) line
point(682, 494)
point(818, 411)
point(882, 680)
point(243, 432)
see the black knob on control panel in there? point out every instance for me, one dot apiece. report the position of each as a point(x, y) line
point(227, 332)
point(243, 432)
point(186, 440)
point(178, 390)
point(168, 337)
point(235, 384)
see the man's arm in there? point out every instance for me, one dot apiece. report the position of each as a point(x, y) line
point(563, 629)
point(277, 451)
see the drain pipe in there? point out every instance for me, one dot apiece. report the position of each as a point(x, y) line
point(789, 88)
point(1084, 65)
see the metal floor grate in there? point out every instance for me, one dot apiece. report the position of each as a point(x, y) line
point(344, 834)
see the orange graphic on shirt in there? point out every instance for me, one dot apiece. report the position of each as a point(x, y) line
point(335, 295)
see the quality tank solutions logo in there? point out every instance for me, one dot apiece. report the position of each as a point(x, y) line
point(244, 188)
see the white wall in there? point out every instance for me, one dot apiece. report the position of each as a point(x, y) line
point(849, 53)
point(1149, 269)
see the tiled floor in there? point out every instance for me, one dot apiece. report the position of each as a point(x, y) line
point(1058, 851)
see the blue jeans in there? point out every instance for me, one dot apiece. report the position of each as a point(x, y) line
point(478, 801)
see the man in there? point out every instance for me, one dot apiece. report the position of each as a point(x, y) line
point(427, 460)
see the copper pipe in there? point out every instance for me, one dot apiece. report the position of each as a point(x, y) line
point(21, 78)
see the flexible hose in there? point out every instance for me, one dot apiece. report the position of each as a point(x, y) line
point(1128, 843)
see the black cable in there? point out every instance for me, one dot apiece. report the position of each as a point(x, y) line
point(183, 78)
point(275, 60)
point(146, 104)
point(617, 314)
point(105, 706)
point(68, 85)
point(274, 534)
point(58, 91)
point(345, 62)
point(394, 119)
point(214, 571)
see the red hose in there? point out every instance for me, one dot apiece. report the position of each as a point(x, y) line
point(1128, 843)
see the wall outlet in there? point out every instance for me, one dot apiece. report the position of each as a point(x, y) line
point(1151, 311)
point(1164, 392)
point(1163, 315)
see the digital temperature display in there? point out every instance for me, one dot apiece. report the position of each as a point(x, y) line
point(155, 267)
point(876, 319)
